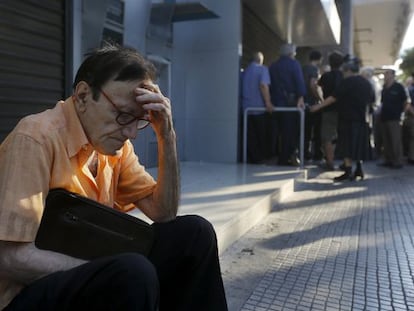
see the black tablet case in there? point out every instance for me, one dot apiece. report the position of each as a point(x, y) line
point(80, 227)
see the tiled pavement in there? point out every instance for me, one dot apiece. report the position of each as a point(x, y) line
point(330, 247)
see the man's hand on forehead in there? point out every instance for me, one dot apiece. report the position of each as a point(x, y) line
point(150, 86)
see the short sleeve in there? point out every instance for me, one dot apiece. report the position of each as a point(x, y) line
point(135, 182)
point(24, 181)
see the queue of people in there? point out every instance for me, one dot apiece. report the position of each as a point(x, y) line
point(344, 113)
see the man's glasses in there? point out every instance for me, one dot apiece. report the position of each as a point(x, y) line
point(124, 118)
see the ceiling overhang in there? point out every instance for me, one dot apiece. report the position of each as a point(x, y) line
point(379, 28)
point(304, 23)
point(166, 13)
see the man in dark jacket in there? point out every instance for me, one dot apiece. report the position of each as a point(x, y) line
point(394, 101)
point(287, 89)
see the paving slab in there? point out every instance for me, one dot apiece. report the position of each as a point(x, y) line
point(328, 246)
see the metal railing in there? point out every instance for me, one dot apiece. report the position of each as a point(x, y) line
point(302, 129)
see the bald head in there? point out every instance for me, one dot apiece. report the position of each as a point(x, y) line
point(258, 57)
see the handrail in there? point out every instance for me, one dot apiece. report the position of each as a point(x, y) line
point(302, 129)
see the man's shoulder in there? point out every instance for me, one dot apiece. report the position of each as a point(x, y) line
point(42, 125)
point(310, 70)
point(397, 86)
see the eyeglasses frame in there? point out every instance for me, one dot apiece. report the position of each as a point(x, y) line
point(120, 112)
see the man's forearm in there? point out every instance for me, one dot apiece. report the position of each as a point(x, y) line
point(166, 194)
point(24, 262)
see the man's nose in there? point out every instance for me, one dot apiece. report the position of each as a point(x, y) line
point(130, 130)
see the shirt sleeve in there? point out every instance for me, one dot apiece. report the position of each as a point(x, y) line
point(135, 182)
point(299, 80)
point(265, 77)
point(24, 180)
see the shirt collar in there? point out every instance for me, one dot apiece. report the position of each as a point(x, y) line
point(77, 139)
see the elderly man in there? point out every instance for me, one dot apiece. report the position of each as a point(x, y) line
point(287, 90)
point(255, 94)
point(394, 101)
point(82, 145)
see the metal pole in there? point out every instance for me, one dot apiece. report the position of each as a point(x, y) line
point(246, 112)
point(302, 137)
point(302, 129)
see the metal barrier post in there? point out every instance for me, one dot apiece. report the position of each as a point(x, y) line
point(302, 129)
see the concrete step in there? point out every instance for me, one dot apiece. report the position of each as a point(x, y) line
point(233, 197)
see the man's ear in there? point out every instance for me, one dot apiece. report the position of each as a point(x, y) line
point(83, 94)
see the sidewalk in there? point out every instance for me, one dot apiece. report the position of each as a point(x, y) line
point(329, 246)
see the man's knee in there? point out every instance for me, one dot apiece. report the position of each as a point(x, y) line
point(133, 280)
point(133, 267)
point(202, 228)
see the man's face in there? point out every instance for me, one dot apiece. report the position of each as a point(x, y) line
point(101, 119)
point(388, 76)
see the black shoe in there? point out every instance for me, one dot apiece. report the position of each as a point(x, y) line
point(358, 173)
point(409, 161)
point(396, 166)
point(342, 167)
point(345, 176)
point(294, 161)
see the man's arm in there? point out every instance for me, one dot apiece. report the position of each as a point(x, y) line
point(264, 90)
point(328, 101)
point(315, 89)
point(24, 263)
point(162, 205)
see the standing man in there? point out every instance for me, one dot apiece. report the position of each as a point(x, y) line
point(255, 93)
point(287, 90)
point(83, 145)
point(394, 101)
point(329, 82)
point(408, 124)
point(354, 95)
point(313, 96)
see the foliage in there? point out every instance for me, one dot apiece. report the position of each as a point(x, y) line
point(407, 65)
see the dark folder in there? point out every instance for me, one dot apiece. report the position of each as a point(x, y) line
point(80, 227)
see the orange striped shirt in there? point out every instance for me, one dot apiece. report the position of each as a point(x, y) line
point(50, 150)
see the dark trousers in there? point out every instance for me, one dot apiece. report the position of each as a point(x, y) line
point(289, 135)
point(256, 138)
point(182, 272)
point(312, 142)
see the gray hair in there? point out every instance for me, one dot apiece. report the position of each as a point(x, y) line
point(288, 49)
point(258, 57)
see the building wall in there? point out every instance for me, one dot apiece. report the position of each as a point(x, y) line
point(32, 62)
point(205, 76)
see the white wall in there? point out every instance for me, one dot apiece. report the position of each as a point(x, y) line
point(205, 71)
point(137, 14)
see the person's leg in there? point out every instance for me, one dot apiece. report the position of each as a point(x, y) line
point(386, 142)
point(261, 137)
point(396, 143)
point(289, 137)
point(410, 129)
point(317, 142)
point(123, 282)
point(186, 258)
point(328, 134)
point(378, 140)
point(273, 135)
point(307, 152)
point(253, 150)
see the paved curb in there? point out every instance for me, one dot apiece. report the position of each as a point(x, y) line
point(230, 232)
